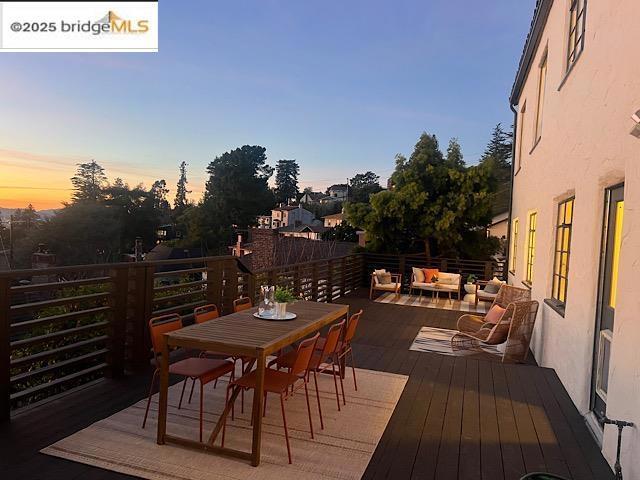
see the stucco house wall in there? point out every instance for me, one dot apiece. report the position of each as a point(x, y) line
point(585, 147)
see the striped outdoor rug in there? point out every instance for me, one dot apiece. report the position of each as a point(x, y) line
point(465, 305)
point(438, 340)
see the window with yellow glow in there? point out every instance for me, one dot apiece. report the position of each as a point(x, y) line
point(531, 247)
point(562, 249)
point(615, 261)
point(514, 245)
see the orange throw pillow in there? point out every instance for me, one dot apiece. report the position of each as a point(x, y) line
point(429, 273)
point(495, 314)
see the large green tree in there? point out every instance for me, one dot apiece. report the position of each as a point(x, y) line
point(236, 192)
point(432, 206)
point(181, 202)
point(363, 185)
point(497, 160)
point(287, 172)
point(88, 182)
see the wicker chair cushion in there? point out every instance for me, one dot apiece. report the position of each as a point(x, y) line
point(494, 314)
point(382, 276)
point(492, 288)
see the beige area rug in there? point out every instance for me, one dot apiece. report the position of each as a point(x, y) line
point(467, 304)
point(438, 340)
point(341, 451)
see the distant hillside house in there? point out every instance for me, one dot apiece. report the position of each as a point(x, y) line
point(289, 215)
point(336, 193)
point(311, 197)
point(311, 232)
point(334, 220)
point(499, 225)
point(264, 221)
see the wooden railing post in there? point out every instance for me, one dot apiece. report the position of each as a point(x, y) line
point(488, 270)
point(444, 265)
point(214, 282)
point(402, 263)
point(142, 306)
point(5, 350)
point(118, 323)
point(230, 283)
point(252, 292)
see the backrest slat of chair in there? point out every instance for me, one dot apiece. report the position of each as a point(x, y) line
point(352, 325)
point(332, 339)
point(205, 313)
point(158, 326)
point(242, 303)
point(303, 356)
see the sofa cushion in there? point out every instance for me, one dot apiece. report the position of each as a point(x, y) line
point(429, 273)
point(483, 294)
point(448, 278)
point(418, 274)
point(434, 286)
point(491, 287)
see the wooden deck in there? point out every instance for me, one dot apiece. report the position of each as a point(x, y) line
point(457, 418)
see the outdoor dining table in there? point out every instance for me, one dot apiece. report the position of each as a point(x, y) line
point(241, 335)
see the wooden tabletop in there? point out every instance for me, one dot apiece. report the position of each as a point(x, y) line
point(243, 334)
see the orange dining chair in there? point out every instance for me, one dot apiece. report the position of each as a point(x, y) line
point(242, 303)
point(276, 381)
point(206, 313)
point(320, 362)
point(344, 346)
point(203, 369)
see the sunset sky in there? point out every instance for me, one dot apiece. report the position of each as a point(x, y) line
point(340, 86)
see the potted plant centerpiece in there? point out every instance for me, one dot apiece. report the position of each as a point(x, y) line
point(283, 296)
point(470, 286)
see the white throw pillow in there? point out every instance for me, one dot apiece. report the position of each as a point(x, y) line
point(418, 275)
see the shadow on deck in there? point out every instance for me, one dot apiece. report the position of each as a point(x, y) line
point(458, 417)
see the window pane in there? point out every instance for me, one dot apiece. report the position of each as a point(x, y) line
point(617, 241)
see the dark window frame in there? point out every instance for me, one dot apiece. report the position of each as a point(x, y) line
point(575, 37)
point(531, 247)
point(561, 226)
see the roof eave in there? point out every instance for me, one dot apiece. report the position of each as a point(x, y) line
point(531, 45)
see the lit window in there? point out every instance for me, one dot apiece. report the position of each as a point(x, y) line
point(617, 243)
point(542, 80)
point(564, 224)
point(576, 31)
point(531, 247)
point(514, 244)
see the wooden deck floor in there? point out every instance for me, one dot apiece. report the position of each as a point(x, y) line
point(458, 418)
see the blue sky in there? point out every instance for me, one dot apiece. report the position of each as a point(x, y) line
point(340, 86)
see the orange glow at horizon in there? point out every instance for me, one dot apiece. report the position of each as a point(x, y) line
point(44, 180)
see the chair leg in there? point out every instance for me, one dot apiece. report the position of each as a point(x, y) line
point(184, 384)
point(242, 391)
point(224, 425)
point(193, 384)
point(344, 399)
point(201, 408)
point(353, 369)
point(306, 394)
point(264, 409)
point(335, 383)
point(315, 380)
point(146, 412)
point(286, 432)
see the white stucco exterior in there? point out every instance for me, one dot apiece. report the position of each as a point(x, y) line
point(584, 148)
